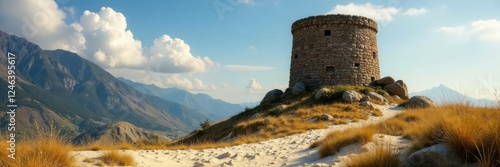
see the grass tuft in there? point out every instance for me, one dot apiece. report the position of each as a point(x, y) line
point(381, 156)
point(114, 158)
point(332, 144)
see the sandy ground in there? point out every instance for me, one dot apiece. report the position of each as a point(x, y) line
point(287, 151)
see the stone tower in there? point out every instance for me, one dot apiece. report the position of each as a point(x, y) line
point(334, 50)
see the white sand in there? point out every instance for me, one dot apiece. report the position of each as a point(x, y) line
point(287, 151)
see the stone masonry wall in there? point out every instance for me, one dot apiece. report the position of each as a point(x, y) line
point(334, 50)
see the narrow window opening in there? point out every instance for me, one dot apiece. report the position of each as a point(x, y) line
point(356, 64)
point(374, 55)
point(330, 69)
point(296, 56)
point(373, 79)
point(328, 32)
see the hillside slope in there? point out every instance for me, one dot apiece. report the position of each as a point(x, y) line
point(62, 88)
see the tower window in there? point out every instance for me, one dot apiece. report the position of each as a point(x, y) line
point(296, 56)
point(330, 69)
point(374, 55)
point(373, 79)
point(356, 64)
point(328, 32)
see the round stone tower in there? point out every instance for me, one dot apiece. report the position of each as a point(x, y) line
point(334, 50)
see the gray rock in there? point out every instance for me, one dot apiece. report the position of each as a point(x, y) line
point(281, 107)
point(397, 89)
point(320, 93)
point(385, 81)
point(326, 117)
point(419, 102)
point(367, 104)
point(256, 115)
point(396, 97)
point(298, 88)
point(271, 95)
point(377, 97)
point(439, 155)
point(365, 98)
point(351, 96)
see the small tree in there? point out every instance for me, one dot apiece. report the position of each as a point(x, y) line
point(205, 124)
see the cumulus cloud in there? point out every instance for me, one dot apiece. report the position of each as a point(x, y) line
point(487, 30)
point(40, 21)
point(457, 30)
point(415, 11)
point(247, 68)
point(185, 83)
point(172, 55)
point(108, 42)
point(101, 37)
point(378, 13)
point(254, 86)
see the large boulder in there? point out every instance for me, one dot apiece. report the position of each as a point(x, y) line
point(397, 89)
point(271, 95)
point(351, 96)
point(402, 83)
point(439, 155)
point(377, 97)
point(320, 93)
point(419, 102)
point(298, 88)
point(385, 81)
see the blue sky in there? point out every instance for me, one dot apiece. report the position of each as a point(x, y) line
point(237, 50)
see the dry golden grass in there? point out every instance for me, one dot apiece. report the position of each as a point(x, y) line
point(334, 141)
point(380, 157)
point(274, 122)
point(474, 132)
point(45, 149)
point(114, 158)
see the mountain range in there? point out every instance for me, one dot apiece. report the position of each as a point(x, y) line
point(60, 88)
point(444, 95)
point(214, 109)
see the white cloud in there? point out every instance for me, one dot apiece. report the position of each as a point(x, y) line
point(415, 11)
point(246, 2)
point(101, 37)
point(108, 42)
point(181, 81)
point(378, 13)
point(251, 47)
point(254, 86)
point(486, 30)
point(40, 21)
point(457, 30)
point(172, 55)
point(247, 68)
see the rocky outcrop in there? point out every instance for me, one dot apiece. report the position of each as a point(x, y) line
point(419, 102)
point(385, 81)
point(298, 88)
point(397, 89)
point(271, 95)
point(392, 87)
point(351, 96)
point(377, 97)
